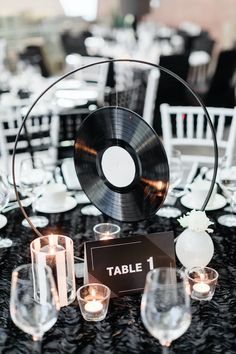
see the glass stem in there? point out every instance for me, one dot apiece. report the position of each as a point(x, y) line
point(165, 349)
point(37, 345)
point(34, 199)
point(232, 202)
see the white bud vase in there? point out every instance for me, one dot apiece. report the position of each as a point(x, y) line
point(194, 249)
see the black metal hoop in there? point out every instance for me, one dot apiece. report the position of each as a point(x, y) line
point(167, 71)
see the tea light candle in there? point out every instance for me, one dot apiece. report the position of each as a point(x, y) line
point(201, 289)
point(106, 231)
point(106, 236)
point(202, 282)
point(93, 300)
point(93, 306)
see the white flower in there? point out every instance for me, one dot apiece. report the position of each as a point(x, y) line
point(196, 220)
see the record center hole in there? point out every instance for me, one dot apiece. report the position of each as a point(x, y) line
point(118, 166)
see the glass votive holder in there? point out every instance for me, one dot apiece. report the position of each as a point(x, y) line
point(202, 282)
point(93, 301)
point(106, 231)
point(57, 252)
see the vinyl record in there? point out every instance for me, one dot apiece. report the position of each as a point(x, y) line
point(121, 164)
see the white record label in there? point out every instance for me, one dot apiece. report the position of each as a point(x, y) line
point(118, 166)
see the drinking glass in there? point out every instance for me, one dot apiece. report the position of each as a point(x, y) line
point(175, 177)
point(227, 182)
point(4, 197)
point(165, 306)
point(106, 231)
point(32, 179)
point(34, 301)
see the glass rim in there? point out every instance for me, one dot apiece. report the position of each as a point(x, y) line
point(29, 266)
point(158, 269)
point(107, 223)
point(216, 274)
point(94, 284)
point(32, 244)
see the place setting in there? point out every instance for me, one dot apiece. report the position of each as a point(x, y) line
point(193, 190)
point(197, 192)
point(55, 199)
point(223, 193)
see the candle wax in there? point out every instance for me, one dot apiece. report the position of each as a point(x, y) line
point(106, 236)
point(93, 306)
point(201, 288)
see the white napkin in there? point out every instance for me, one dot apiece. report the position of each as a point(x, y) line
point(5, 242)
point(90, 210)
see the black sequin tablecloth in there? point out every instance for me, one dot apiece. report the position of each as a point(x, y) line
point(213, 327)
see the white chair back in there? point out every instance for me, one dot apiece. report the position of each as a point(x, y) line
point(42, 135)
point(150, 96)
point(187, 128)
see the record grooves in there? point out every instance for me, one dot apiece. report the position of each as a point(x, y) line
point(121, 164)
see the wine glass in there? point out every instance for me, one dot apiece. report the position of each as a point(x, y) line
point(175, 177)
point(165, 306)
point(227, 182)
point(34, 302)
point(31, 181)
point(4, 197)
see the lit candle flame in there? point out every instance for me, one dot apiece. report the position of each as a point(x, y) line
point(106, 236)
point(93, 292)
point(52, 243)
point(202, 277)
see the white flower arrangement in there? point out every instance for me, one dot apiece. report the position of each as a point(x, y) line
point(196, 220)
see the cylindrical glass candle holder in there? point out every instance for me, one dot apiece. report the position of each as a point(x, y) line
point(93, 301)
point(106, 231)
point(57, 252)
point(202, 282)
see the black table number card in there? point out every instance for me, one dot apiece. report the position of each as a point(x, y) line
point(122, 264)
